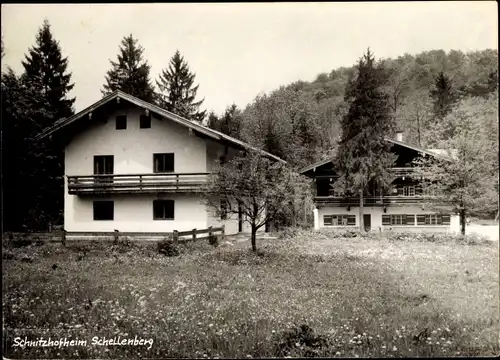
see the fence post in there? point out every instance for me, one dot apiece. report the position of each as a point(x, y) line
point(194, 234)
point(116, 236)
point(209, 233)
point(223, 230)
point(63, 237)
point(176, 237)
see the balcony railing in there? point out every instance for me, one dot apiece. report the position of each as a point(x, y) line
point(369, 201)
point(136, 183)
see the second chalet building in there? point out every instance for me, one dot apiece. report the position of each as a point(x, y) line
point(134, 167)
point(403, 209)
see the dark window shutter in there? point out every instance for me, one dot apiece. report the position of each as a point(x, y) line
point(446, 219)
point(327, 220)
point(386, 219)
point(103, 210)
point(421, 219)
point(169, 209)
point(351, 219)
point(145, 121)
point(400, 191)
point(439, 220)
point(410, 219)
point(121, 122)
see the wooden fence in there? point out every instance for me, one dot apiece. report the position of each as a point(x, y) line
point(115, 236)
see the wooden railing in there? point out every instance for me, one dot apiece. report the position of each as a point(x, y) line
point(193, 234)
point(134, 183)
point(114, 236)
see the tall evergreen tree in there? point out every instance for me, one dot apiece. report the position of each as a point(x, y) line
point(45, 67)
point(130, 73)
point(27, 164)
point(177, 91)
point(443, 96)
point(364, 157)
point(229, 123)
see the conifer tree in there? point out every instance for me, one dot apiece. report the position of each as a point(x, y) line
point(45, 67)
point(177, 91)
point(443, 96)
point(130, 73)
point(364, 156)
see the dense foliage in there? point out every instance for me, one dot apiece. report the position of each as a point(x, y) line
point(301, 121)
point(32, 171)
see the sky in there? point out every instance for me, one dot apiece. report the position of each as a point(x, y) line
point(239, 50)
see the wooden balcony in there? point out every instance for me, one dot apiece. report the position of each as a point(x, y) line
point(137, 183)
point(369, 201)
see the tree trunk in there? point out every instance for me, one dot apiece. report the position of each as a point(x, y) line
point(254, 236)
point(462, 222)
point(361, 220)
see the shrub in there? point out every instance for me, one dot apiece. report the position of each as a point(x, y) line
point(301, 341)
point(213, 240)
point(8, 255)
point(168, 248)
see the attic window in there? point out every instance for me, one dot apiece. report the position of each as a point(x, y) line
point(145, 121)
point(121, 122)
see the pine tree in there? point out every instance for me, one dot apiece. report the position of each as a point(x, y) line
point(229, 123)
point(130, 73)
point(46, 69)
point(177, 91)
point(443, 96)
point(364, 156)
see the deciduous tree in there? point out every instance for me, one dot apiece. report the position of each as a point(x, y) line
point(260, 188)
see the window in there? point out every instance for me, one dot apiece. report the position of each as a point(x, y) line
point(163, 163)
point(121, 122)
point(223, 209)
point(103, 164)
point(163, 209)
point(145, 121)
point(433, 219)
point(398, 219)
point(339, 220)
point(104, 210)
point(409, 191)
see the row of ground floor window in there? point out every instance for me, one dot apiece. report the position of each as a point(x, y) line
point(395, 219)
point(404, 217)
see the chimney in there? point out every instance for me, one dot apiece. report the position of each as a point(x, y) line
point(399, 135)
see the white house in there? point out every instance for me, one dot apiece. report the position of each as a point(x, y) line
point(131, 166)
point(401, 210)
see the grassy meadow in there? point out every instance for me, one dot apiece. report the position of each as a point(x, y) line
point(306, 294)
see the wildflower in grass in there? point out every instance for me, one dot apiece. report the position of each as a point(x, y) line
point(394, 348)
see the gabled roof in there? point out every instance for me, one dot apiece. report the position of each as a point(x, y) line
point(433, 153)
point(215, 135)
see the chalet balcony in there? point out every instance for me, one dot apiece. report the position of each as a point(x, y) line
point(369, 200)
point(137, 183)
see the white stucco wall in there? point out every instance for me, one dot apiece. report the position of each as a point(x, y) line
point(133, 150)
point(134, 213)
point(376, 218)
